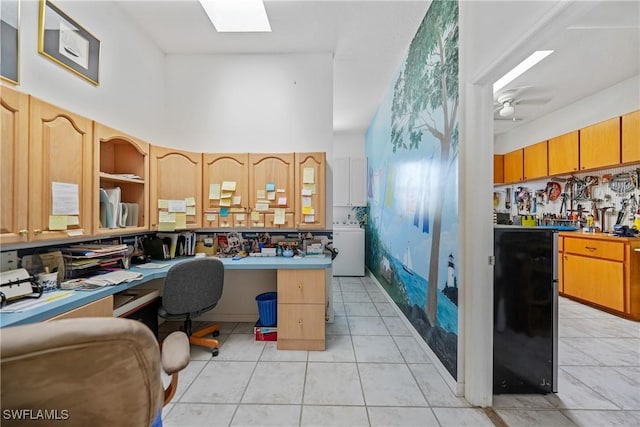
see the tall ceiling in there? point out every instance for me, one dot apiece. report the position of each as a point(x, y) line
point(368, 40)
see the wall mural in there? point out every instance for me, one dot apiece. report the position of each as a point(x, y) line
point(412, 151)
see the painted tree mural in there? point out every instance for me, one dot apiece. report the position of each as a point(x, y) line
point(425, 99)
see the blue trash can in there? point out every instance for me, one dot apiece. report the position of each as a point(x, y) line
point(268, 308)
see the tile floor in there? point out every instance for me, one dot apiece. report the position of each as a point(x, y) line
point(375, 373)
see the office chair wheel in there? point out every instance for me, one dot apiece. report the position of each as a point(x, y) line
point(214, 352)
point(215, 333)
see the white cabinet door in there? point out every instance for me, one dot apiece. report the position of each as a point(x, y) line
point(341, 181)
point(358, 181)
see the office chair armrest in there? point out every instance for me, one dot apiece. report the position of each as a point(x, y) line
point(175, 352)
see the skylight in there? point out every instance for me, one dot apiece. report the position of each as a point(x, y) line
point(237, 15)
point(519, 69)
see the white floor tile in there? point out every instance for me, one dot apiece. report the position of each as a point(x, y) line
point(338, 349)
point(332, 384)
point(396, 326)
point(360, 309)
point(401, 417)
point(335, 416)
point(519, 401)
point(276, 382)
point(376, 349)
point(185, 378)
point(568, 355)
point(534, 418)
point(267, 415)
point(220, 382)
point(608, 382)
point(355, 296)
point(338, 309)
point(459, 417)
point(272, 354)
point(436, 391)
point(367, 325)
point(199, 415)
point(389, 385)
point(574, 394)
point(241, 347)
point(340, 325)
point(608, 351)
point(386, 309)
point(244, 328)
point(411, 350)
point(590, 418)
point(377, 296)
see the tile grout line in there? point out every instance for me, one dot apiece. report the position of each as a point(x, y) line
point(495, 418)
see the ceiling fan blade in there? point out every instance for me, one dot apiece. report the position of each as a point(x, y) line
point(532, 101)
point(507, 119)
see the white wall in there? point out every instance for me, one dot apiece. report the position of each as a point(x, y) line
point(348, 144)
point(130, 96)
point(614, 101)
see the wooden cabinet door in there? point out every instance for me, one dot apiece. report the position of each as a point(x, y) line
point(176, 175)
point(309, 174)
point(563, 154)
point(600, 145)
point(119, 159)
point(498, 168)
point(513, 166)
point(272, 169)
point(631, 137)
point(535, 160)
point(14, 172)
point(60, 151)
point(596, 280)
point(228, 167)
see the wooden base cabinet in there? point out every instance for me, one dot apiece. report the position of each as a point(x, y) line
point(301, 309)
point(601, 270)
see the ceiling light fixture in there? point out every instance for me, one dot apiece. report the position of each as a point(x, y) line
point(519, 69)
point(507, 109)
point(237, 15)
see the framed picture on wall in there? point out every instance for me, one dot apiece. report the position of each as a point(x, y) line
point(66, 42)
point(10, 40)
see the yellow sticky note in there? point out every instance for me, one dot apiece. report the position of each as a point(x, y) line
point(225, 201)
point(214, 191)
point(308, 210)
point(255, 216)
point(226, 195)
point(57, 222)
point(163, 204)
point(279, 216)
point(191, 210)
point(181, 220)
point(191, 201)
point(308, 176)
point(260, 194)
point(166, 226)
point(228, 186)
point(75, 233)
point(73, 220)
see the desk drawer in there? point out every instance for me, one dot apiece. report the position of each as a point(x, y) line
point(595, 248)
point(301, 321)
point(100, 308)
point(301, 286)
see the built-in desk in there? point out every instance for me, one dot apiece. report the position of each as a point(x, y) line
point(315, 268)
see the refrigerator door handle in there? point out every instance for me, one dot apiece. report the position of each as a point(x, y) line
point(554, 368)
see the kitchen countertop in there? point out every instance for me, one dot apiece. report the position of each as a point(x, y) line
point(598, 236)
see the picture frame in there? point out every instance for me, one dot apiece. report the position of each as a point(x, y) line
point(64, 41)
point(10, 39)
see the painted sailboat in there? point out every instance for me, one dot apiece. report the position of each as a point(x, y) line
point(407, 264)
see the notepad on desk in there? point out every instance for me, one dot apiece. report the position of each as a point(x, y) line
point(113, 278)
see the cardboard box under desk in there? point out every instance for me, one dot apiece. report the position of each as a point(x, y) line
point(265, 333)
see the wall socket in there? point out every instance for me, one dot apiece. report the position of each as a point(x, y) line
point(8, 260)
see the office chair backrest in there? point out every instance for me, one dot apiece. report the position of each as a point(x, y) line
point(193, 286)
point(83, 372)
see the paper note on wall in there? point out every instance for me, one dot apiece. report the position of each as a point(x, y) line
point(226, 195)
point(190, 201)
point(306, 201)
point(164, 216)
point(271, 195)
point(166, 226)
point(73, 220)
point(271, 186)
point(181, 220)
point(214, 191)
point(191, 210)
point(309, 218)
point(308, 176)
point(261, 194)
point(57, 222)
point(309, 189)
point(236, 200)
point(65, 199)
point(282, 201)
point(240, 217)
point(228, 186)
point(262, 206)
point(280, 190)
point(224, 212)
point(308, 210)
point(177, 206)
point(278, 216)
point(163, 204)
point(211, 217)
point(225, 202)
point(255, 216)
point(75, 233)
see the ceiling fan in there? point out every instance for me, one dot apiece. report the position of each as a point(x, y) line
point(505, 102)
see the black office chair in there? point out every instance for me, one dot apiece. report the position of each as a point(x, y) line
point(192, 288)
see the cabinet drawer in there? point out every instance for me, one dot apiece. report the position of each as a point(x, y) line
point(301, 286)
point(100, 308)
point(595, 248)
point(595, 280)
point(301, 321)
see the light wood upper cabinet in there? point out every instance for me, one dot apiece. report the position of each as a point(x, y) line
point(563, 154)
point(535, 160)
point(513, 166)
point(175, 175)
point(123, 163)
point(631, 137)
point(220, 168)
point(14, 172)
point(310, 178)
point(600, 144)
point(60, 151)
point(272, 169)
point(498, 168)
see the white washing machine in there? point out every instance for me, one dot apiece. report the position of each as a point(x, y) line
point(349, 240)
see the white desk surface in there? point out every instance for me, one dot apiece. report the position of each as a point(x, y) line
point(80, 298)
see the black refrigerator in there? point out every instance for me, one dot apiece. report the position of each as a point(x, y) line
point(525, 310)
